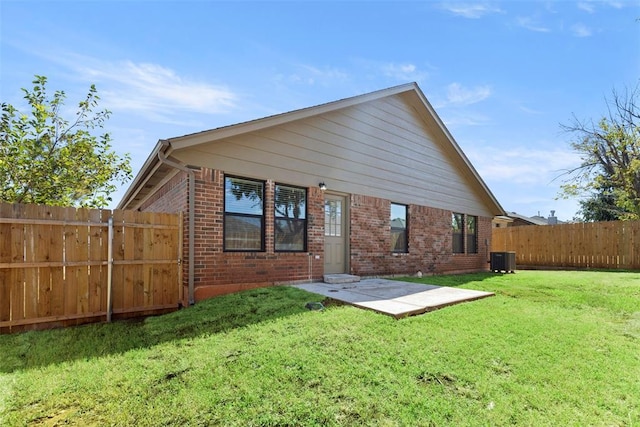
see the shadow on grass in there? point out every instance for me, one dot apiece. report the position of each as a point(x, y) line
point(42, 348)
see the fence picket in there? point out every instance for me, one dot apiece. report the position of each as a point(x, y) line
point(118, 274)
point(71, 255)
point(56, 254)
point(43, 249)
point(133, 251)
point(31, 273)
point(96, 253)
point(6, 275)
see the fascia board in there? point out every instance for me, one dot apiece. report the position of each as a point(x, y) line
point(146, 171)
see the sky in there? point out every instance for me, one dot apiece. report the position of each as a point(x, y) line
point(503, 76)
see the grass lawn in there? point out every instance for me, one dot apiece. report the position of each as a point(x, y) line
point(551, 348)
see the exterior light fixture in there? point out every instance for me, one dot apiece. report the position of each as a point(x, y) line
point(322, 186)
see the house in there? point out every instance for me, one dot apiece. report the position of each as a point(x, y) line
point(372, 185)
point(513, 219)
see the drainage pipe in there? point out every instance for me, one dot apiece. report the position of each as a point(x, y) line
point(192, 192)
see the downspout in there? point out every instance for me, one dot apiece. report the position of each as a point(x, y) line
point(192, 192)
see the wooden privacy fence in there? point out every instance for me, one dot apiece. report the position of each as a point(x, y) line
point(61, 266)
point(614, 245)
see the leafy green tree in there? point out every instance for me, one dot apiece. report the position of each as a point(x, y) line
point(610, 153)
point(47, 159)
point(600, 206)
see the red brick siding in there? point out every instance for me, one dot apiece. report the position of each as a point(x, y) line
point(218, 272)
point(173, 197)
point(370, 236)
point(430, 245)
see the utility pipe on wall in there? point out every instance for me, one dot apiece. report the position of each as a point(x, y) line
point(192, 205)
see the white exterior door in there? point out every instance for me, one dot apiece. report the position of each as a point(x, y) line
point(335, 236)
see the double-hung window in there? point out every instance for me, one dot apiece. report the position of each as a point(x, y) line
point(290, 215)
point(399, 237)
point(243, 214)
point(457, 231)
point(472, 234)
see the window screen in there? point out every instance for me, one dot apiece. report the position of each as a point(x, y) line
point(472, 234)
point(243, 214)
point(290, 215)
point(457, 228)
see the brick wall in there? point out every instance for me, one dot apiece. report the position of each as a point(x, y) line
point(173, 197)
point(430, 245)
point(218, 272)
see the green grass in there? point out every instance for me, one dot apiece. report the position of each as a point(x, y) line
point(551, 348)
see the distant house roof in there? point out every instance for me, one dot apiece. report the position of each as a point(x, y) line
point(398, 223)
point(519, 219)
point(530, 220)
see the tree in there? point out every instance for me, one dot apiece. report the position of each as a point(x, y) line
point(46, 159)
point(609, 175)
point(600, 206)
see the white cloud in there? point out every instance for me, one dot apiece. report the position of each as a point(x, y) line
point(311, 75)
point(458, 95)
point(404, 72)
point(528, 110)
point(522, 165)
point(470, 10)
point(154, 90)
point(458, 118)
point(580, 30)
point(151, 90)
point(586, 6)
point(531, 25)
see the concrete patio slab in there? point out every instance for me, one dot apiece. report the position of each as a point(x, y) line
point(395, 298)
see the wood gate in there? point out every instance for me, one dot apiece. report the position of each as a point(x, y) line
point(66, 266)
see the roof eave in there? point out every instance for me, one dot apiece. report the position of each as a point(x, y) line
point(143, 174)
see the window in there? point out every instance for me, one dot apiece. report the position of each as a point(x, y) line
point(399, 228)
point(333, 218)
point(243, 214)
point(464, 230)
point(290, 218)
point(457, 225)
point(472, 234)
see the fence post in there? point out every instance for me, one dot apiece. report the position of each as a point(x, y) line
point(110, 268)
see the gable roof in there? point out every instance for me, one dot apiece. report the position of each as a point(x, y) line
point(534, 220)
point(154, 172)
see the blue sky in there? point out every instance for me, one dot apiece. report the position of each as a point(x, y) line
point(501, 75)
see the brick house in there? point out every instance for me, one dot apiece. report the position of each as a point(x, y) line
point(372, 185)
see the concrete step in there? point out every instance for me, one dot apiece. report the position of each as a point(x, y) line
point(336, 279)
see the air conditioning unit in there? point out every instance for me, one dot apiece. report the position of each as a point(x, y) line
point(503, 261)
